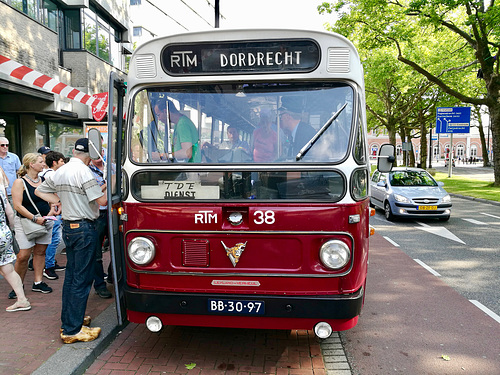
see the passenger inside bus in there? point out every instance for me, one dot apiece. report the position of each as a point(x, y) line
point(235, 150)
point(186, 142)
point(299, 133)
point(265, 139)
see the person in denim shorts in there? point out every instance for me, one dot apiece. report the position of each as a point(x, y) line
point(74, 189)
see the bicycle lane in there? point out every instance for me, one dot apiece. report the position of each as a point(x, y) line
point(413, 323)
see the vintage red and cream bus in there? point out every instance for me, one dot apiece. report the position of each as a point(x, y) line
point(242, 197)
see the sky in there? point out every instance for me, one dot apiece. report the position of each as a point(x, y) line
point(290, 14)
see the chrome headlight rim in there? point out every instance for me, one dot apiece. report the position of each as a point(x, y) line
point(335, 255)
point(148, 248)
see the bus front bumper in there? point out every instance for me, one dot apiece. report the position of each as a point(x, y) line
point(233, 310)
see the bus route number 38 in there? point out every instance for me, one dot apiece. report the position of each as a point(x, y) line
point(264, 217)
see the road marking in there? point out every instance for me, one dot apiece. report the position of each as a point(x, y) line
point(477, 222)
point(496, 217)
point(485, 310)
point(423, 224)
point(439, 231)
point(391, 241)
point(427, 267)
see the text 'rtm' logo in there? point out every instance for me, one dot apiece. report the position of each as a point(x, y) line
point(205, 217)
point(183, 59)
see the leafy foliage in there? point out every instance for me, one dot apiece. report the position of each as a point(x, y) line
point(454, 44)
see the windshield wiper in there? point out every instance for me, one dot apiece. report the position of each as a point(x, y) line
point(303, 151)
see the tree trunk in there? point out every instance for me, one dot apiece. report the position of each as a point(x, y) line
point(495, 131)
point(423, 145)
point(484, 148)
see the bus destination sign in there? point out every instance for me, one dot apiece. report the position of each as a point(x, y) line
point(283, 56)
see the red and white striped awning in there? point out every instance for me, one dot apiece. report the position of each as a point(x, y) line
point(98, 102)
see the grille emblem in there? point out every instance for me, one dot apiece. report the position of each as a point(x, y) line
point(234, 253)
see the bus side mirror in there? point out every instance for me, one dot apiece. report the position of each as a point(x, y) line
point(95, 143)
point(386, 158)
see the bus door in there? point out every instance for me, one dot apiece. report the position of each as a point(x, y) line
point(115, 189)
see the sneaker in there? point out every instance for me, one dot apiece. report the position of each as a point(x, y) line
point(103, 293)
point(30, 264)
point(12, 294)
point(59, 268)
point(50, 273)
point(42, 287)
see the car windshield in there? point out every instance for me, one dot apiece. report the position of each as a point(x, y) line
point(411, 178)
point(242, 123)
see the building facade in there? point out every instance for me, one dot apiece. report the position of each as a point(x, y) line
point(463, 146)
point(75, 42)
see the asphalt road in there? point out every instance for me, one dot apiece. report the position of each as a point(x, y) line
point(464, 251)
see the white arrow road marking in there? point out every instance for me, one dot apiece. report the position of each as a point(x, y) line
point(496, 217)
point(474, 221)
point(439, 231)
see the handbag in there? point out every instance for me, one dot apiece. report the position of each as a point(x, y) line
point(31, 229)
point(15, 245)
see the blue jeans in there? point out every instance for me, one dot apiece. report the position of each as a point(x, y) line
point(79, 237)
point(50, 252)
point(101, 226)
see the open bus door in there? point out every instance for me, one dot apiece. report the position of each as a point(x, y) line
point(115, 191)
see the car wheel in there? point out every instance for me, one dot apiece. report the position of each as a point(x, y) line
point(388, 212)
point(446, 218)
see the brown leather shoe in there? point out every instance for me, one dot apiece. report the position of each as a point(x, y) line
point(80, 336)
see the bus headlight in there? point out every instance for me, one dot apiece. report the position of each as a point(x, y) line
point(141, 250)
point(334, 254)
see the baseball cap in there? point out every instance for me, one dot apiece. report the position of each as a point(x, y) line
point(44, 150)
point(82, 145)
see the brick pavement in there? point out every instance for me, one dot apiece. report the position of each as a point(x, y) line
point(29, 338)
point(214, 351)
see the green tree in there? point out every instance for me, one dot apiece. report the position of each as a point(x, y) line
point(469, 58)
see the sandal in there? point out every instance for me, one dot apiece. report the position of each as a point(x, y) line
point(19, 306)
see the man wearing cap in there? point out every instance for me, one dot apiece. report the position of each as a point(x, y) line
point(10, 163)
point(44, 150)
point(290, 119)
point(74, 189)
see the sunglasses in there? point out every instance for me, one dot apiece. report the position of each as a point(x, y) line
point(4, 145)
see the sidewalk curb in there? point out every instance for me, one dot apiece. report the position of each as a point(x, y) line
point(334, 355)
point(74, 359)
point(475, 199)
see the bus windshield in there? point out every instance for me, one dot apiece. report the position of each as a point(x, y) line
point(242, 123)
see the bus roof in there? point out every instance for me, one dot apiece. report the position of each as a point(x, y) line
point(246, 54)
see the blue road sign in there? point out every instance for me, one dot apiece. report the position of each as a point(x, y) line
point(453, 120)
